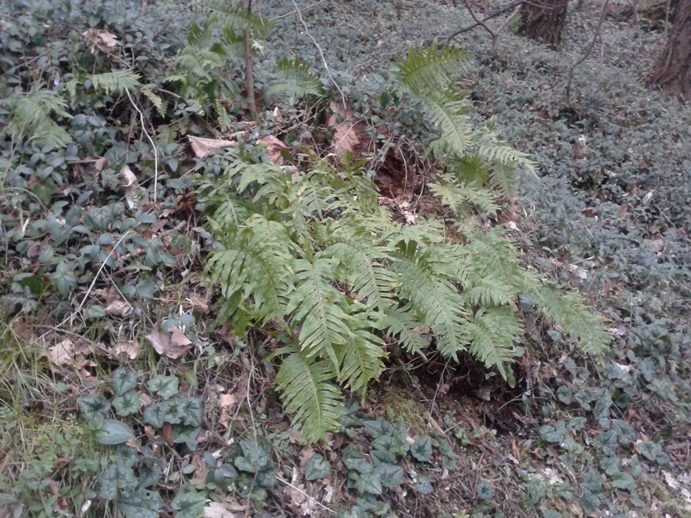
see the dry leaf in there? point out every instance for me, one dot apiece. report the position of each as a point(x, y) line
point(99, 39)
point(167, 433)
point(198, 302)
point(131, 349)
point(345, 137)
point(274, 149)
point(202, 147)
point(128, 177)
point(118, 308)
point(223, 510)
point(226, 402)
point(173, 346)
point(101, 164)
point(62, 353)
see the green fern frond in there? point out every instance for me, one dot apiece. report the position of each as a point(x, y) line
point(253, 267)
point(493, 332)
point(490, 290)
point(292, 78)
point(461, 197)
point(404, 325)
point(307, 391)
point(426, 71)
point(237, 18)
point(360, 358)
point(158, 103)
point(434, 298)
point(30, 117)
point(319, 307)
point(577, 320)
point(116, 81)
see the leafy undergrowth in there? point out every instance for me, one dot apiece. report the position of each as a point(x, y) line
point(122, 394)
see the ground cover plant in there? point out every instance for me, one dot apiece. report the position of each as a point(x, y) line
point(199, 284)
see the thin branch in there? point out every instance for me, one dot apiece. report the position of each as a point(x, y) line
point(588, 50)
point(305, 494)
point(321, 53)
point(291, 13)
point(151, 141)
point(478, 23)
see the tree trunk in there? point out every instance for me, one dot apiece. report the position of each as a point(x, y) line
point(544, 20)
point(671, 72)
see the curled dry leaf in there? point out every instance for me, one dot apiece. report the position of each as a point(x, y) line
point(224, 510)
point(172, 345)
point(346, 137)
point(62, 353)
point(202, 147)
point(118, 308)
point(130, 348)
point(99, 39)
point(226, 402)
point(128, 177)
point(274, 149)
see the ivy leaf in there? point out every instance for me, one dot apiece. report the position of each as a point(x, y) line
point(189, 409)
point(142, 504)
point(117, 476)
point(379, 428)
point(64, 279)
point(421, 450)
point(253, 458)
point(553, 434)
point(164, 386)
point(622, 480)
point(157, 415)
point(485, 491)
point(127, 404)
point(653, 452)
point(390, 475)
point(188, 503)
point(94, 407)
point(317, 467)
point(123, 380)
point(369, 483)
point(354, 460)
point(424, 486)
point(186, 435)
point(114, 432)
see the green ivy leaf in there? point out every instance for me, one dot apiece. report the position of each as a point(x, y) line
point(611, 465)
point(164, 386)
point(186, 435)
point(485, 491)
point(127, 404)
point(94, 407)
point(421, 450)
point(369, 483)
point(354, 460)
point(188, 503)
point(553, 434)
point(118, 476)
point(379, 428)
point(253, 458)
point(114, 432)
point(142, 504)
point(123, 380)
point(317, 467)
point(390, 475)
point(64, 279)
point(622, 480)
point(424, 486)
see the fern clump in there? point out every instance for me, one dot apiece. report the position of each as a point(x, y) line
point(312, 254)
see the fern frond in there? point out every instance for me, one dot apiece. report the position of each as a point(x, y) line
point(403, 324)
point(446, 110)
point(235, 17)
point(292, 78)
point(493, 331)
point(361, 357)
point(305, 383)
point(319, 307)
point(434, 298)
point(461, 197)
point(425, 71)
point(116, 81)
point(155, 99)
point(577, 320)
point(30, 117)
point(252, 266)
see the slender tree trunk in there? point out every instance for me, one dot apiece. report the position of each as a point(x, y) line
point(249, 65)
point(672, 71)
point(544, 20)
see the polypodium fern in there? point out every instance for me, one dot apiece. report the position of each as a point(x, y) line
point(311, 251)
point(292, 78)
point(31, 118)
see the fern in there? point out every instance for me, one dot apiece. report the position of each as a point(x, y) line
point(293, 79)
point(116, 81)
point(461, 197)
point(31, 118)
point(493, 331)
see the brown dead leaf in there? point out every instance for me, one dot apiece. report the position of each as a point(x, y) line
point(128, 177)
point(130, 348)
point(274, 149)
point(101, 164)
point(118, 308)
point(226, 402)
point(173, 346)
point(150, 432)
point(198, 302)
point(167, 433)
point(99, 39)
point(62, 353)
point(202, 147)
point(345, 138)
point(224, 510)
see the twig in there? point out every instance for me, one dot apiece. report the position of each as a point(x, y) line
point(305, 494)
point(249, 66)
point(151, 141)
point(321, 53)
point(588, 50)
point(478, 23)
point(291, 13)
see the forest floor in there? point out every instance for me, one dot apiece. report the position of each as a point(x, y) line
point(608, 216)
